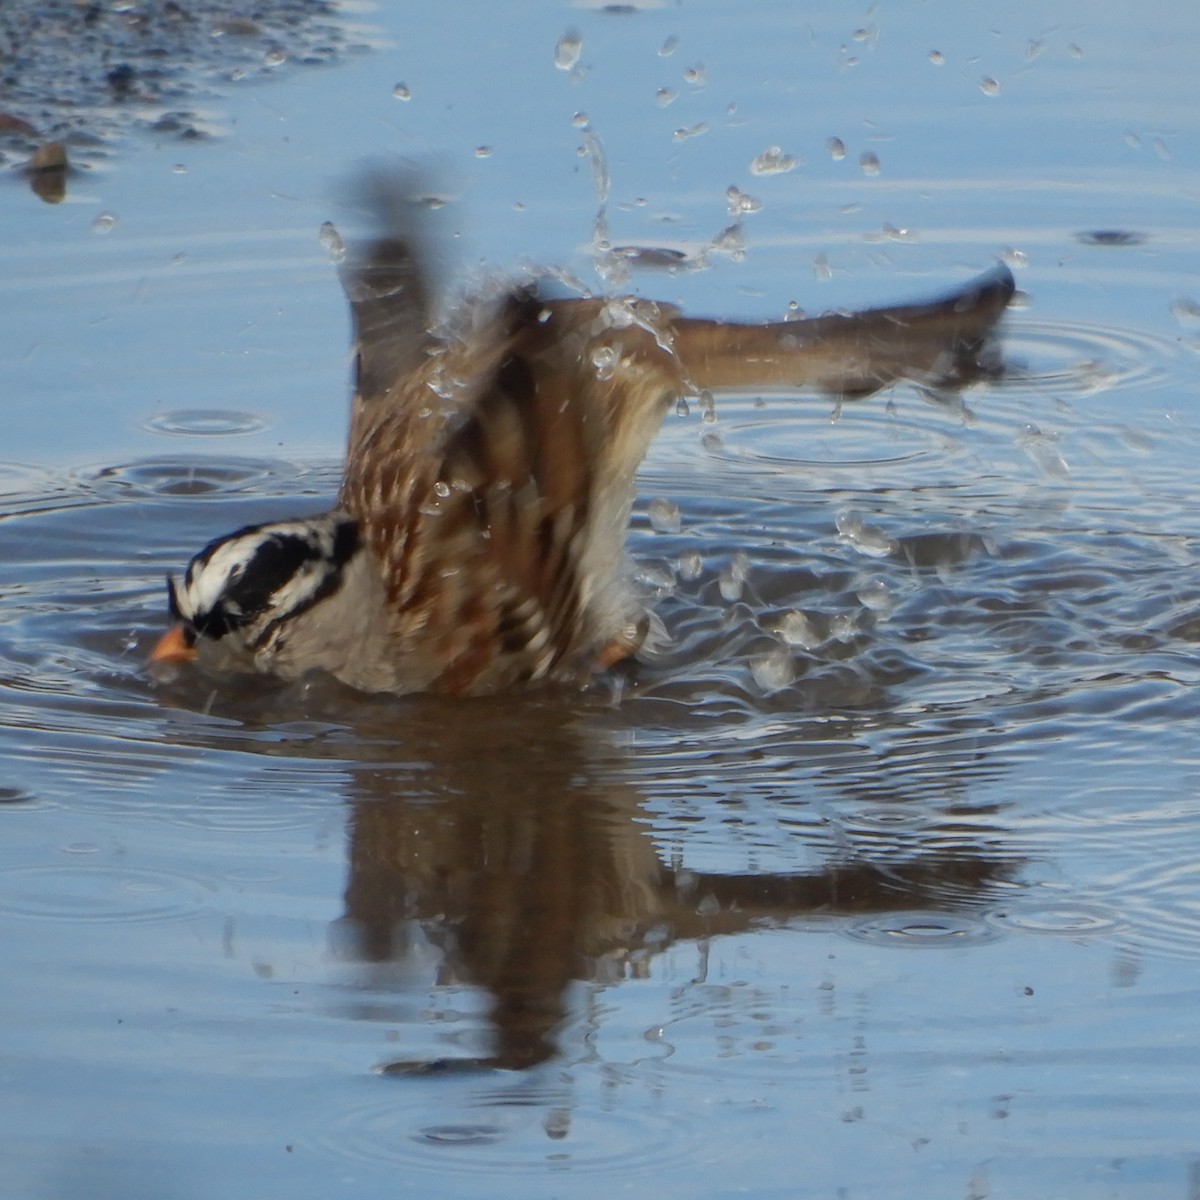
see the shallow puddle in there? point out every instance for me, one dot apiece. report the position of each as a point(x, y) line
point(876, 877)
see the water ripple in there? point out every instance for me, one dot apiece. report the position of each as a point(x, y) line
point(921, 930)
point(422, 1129)
point(206, 422)
point(78, 892)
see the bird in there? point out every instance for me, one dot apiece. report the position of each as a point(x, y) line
point(477, 541)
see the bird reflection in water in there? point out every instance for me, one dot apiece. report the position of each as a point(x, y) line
point(527, 863)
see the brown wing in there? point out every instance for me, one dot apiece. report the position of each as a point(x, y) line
point(494, 481)
point(939, 342)
point(492, 469)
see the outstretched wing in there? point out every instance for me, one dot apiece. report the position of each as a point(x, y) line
point(491, 467)
point(941, 342)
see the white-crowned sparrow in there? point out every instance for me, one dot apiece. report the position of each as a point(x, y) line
point(478, 537)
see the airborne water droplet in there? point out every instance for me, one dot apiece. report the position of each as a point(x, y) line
point(329, 237)
point(988, 86)
point(690, 131)
point(773, 671)
point(568, 49)
point(402, 91)
point(604, 359)
point(668, 47)
point(836, 148)
point(697, 76)
point(875, 595)
point(106, 222)
point(797, 630)
point(869, 162)
point(664, 516)
point(866, 539)
point(665, 96)
point(937, 58)
point(690, 566)
point(733, 576)
point(741, 202)
point(773, 161)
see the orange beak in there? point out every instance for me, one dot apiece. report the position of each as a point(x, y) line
point(174, 647)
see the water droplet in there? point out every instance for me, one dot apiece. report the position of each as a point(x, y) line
point(690, 131)
point(1043, 449)
point(937, 58)
point(988, 86)
point(774, 670)
point(866, 539)
point(797, 630)
point(822, 271)
point(329, 237)
point(568, 49)
point(875, 595)
point(604, 359)
point(842, 627)
point(868, 160)
point(691, 565)
point(557, 1123)
point(668, 47)
point(1074, 51)
point(664, 516)
point(709, 906)
point(658, 579)
point(712, 443)
point(741, 202)
point(580, 120)
point(402, 91)
point(483, 152)
point(773, 161)
point(697, 75)
point(682, 407)
point(1014, 257)
point(104, 223)
point(1132, 139)
point(731, 241)
point(665, 96)
point(836, 148)
point(733, 576)
point(441, 489)
point(275, 57)
point(708, 408)
point(179, 169)
point(661, 257)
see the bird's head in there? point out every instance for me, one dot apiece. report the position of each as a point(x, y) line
point(239, 596)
